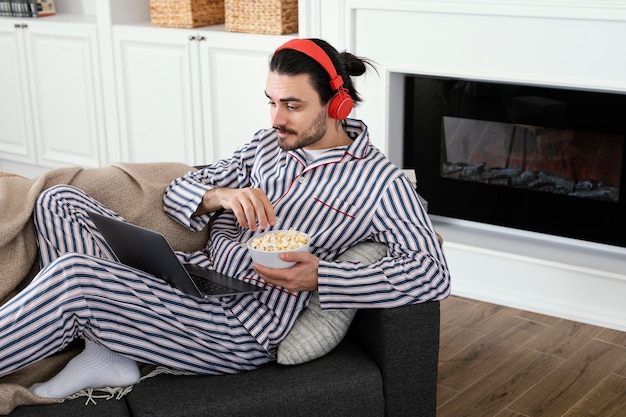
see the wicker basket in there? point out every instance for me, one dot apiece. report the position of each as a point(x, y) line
point(186, 13)
point(274, 17)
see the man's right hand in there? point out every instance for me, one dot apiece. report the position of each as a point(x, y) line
point(250, 206)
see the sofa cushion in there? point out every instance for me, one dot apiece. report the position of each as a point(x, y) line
point(316, 332)
point(344, 382)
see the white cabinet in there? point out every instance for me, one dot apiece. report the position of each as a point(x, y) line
point(157, 76)
point(189, 95)
point(51, 103)
point(64, 74)
point(16, 136)
point(234, 69)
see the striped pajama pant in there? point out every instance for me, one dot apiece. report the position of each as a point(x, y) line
point(82, 292)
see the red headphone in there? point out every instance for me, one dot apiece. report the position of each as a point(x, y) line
point(340, 106)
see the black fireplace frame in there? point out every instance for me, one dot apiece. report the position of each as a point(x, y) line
point(428, 100)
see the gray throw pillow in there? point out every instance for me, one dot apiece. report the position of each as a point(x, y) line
point(316, 332)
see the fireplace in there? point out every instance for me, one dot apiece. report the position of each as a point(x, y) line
point(542, 159)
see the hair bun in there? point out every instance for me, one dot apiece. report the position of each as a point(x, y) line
point(354, 65)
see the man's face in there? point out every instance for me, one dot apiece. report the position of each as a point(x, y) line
point(296, 112)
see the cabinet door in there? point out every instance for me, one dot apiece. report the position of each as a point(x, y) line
point(16, 136)
point(234, 69)
point(64, 80)
point(158, 93)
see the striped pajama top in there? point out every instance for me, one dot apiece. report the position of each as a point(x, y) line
point(346, 196)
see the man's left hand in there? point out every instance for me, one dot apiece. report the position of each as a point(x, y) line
point(300, 277)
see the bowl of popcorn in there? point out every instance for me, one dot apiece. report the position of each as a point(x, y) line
point(266, 248)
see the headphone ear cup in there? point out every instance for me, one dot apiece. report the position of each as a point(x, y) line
point(340, 106)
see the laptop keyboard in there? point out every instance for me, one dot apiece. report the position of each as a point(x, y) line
point(209, 287)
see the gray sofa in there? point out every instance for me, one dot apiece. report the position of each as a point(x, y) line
point(386, 366)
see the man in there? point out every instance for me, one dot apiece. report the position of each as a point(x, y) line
point(314, 171)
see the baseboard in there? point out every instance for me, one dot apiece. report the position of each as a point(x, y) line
point(575, 280)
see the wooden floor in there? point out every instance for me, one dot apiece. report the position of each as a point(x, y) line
point(504, 362)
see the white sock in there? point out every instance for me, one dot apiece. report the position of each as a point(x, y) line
point(94, 367)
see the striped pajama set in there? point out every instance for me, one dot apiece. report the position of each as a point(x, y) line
point(347, 195)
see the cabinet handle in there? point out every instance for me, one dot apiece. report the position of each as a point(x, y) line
point(192, 38)
point(201, 38)
point(20, 26)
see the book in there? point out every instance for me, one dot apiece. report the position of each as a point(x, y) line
point(16, 8)
point(40, 8)
point(32, 8)
point(6, 7)
point(45, 8)
point(22, 8)
point(27, 8)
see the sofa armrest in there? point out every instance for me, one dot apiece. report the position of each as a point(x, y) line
point(404, 342)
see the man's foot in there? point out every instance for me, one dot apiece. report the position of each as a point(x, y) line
point(94, 367)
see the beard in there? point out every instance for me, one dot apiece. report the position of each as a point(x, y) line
point(308, 137)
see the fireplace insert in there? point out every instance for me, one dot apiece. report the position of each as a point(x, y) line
point(537, 158)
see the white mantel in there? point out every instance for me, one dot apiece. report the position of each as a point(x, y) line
point(570, 43)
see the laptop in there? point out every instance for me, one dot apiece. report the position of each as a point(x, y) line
point(149, 251)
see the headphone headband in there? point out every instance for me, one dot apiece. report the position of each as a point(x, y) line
point(340, 106)
point(313, 50)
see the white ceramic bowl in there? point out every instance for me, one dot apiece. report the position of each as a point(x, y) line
point(270, 256)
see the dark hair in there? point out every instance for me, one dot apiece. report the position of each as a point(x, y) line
point(292, 62)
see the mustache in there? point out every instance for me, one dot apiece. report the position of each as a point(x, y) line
point(283, 129)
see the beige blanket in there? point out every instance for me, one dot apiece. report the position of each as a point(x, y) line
point(133, 190)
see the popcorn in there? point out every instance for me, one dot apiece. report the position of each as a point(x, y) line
point(279, 241)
